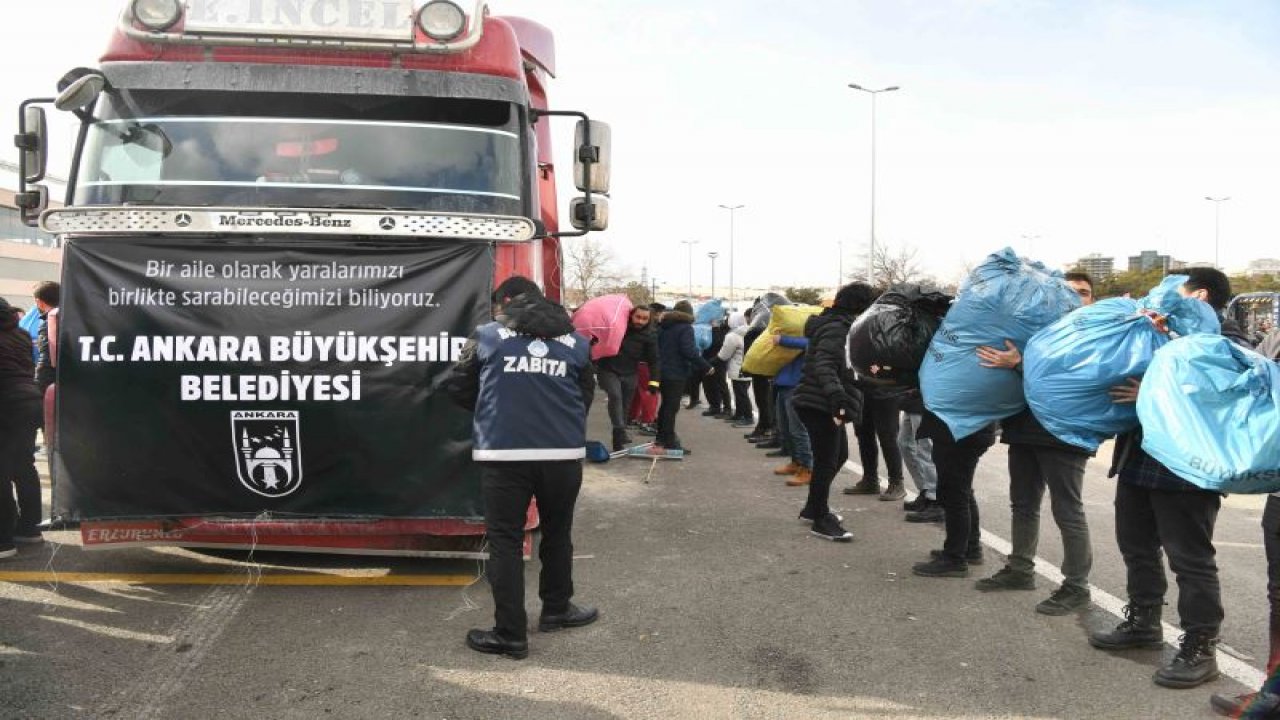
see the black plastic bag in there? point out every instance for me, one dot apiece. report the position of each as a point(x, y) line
point(887, 343)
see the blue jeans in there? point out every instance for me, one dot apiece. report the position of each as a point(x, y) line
point(792, 428)
point(917, 455)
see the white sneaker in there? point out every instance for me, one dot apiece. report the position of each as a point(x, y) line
point(7, 551)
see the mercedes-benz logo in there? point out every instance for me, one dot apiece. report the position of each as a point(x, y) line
point(387, 223)
point(182, 220)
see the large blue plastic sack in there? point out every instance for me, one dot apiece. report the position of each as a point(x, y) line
point(1070, 366)
point(702, 336)
point(709, 312)
point(1004, 298)
point(1210, 411)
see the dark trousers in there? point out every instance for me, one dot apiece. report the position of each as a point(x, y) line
point(742, 399)
point(956, 463)
point(672, 391)
point(716, 386)
point(508, 487)
point(879, 426)
point(830, 444)
point(1181, 524)
point(693, 386)
point(760, 388)
point(1032, 469)
point(1271, 540)
point(619, 389)
point(18, 425)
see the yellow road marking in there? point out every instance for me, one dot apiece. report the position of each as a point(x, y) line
point(241, 578)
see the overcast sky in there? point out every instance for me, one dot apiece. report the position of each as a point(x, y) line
point(1060, 127)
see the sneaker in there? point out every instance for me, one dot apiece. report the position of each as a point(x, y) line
point(1065, 600)
point(744, 422)
point(807, 518)
point(8, 551)
point(771, 444)
point(828, 527)
point(973, 557)
point(919, 503)
point(802, 477)
point(29, 538)
point(790, 468)
point(1195, 664)
point(863, 487)
point(723, 415)
point(710, 412)
point(649, 430)
point(893, 492)
point(1250, 706)
point(1007, 579)
point(931, 514)
point(941, 567)
point(777, 453)
point(693, 406)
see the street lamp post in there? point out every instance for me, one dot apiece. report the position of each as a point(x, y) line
point(690, 244)
point(840, 252)
point(1217, 216)
point(713, 255)
point(871, 254)
point(732, 210)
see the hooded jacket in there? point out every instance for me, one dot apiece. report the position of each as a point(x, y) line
point(17, 369)
point(529, 380)
point(735, 344)
point(826, 383)
point(678, 356)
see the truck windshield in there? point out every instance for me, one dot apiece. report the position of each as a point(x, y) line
point(412, 154)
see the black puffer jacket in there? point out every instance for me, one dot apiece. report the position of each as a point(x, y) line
point(827, 384)
point(638, 346)
point(17, 369)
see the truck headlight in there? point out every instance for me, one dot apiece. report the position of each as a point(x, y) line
point(157, 15)
point(442, 20)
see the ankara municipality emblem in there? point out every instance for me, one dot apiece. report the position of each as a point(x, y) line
point(538, 349)
point(268, 453)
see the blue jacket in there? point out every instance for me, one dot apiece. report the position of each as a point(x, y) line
point(528, 378)
point(789, 375)
point(678, 354)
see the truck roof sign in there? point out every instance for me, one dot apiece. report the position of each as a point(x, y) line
point(388, 20)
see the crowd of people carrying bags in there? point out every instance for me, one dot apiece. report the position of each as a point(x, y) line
point(1025, 355)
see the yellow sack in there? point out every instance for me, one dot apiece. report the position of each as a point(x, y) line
point(767, 359)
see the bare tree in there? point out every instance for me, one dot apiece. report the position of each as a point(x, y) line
point(892, 266)
point(588, 269)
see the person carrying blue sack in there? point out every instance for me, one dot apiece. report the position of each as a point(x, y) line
point(1157, 514)
point(1070, 366)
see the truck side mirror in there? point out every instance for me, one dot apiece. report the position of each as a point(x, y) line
point(32, 203)
point(82, 92)
point(594, 157)
point(593, 216)
point(32, 142)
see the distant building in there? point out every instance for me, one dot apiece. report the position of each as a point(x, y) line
point(1098, 267)
point(27, 255)
point(1265, 266)
point(1149, 260)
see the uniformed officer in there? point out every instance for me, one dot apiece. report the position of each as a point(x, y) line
point(528, 377)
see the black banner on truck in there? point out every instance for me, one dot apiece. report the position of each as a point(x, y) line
point(291, 377)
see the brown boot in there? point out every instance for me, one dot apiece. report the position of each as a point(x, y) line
point(802, 477)
point(790, 468)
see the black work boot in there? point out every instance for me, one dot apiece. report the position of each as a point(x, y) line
point(1139, 629)
point(620, 439)
point(1195, 664)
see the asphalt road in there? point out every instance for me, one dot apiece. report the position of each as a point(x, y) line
point(715, 603)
